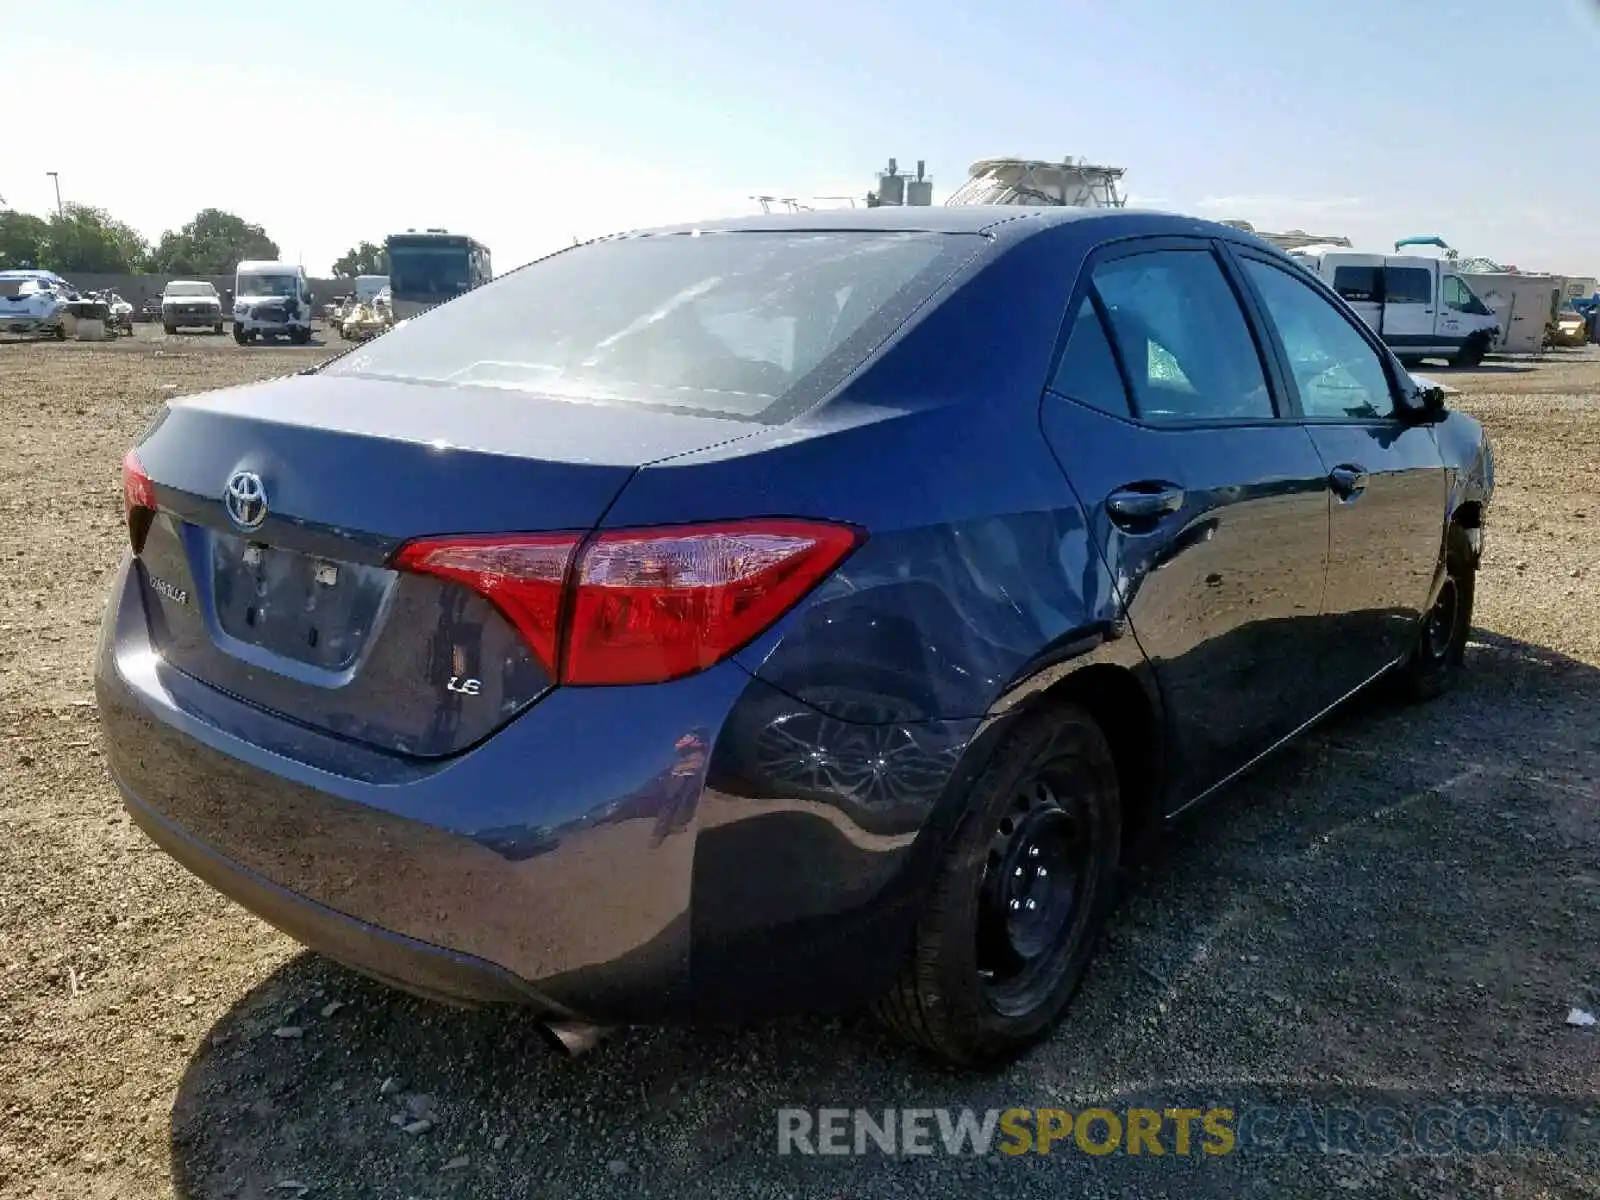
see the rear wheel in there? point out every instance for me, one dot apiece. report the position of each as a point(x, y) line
point(1441, 648)
point(300, 336)
point(1017, 903)
point(239, 335)
point(217, 328)
point(170, 329)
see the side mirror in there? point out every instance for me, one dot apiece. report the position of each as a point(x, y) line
point(1422, 403)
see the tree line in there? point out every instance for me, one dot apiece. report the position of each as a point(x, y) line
point(88, 240)
point(81, 238)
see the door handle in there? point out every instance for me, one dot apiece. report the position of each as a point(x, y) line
point(1348, 480)
point(1143, 502)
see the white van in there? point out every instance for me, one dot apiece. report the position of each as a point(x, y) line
point(271, 299)
point(1418, 305)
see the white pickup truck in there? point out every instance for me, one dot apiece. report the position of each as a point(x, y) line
point(1416, 304)
point(190, 303)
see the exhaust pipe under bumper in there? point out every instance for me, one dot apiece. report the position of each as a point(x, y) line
point(576, 1037)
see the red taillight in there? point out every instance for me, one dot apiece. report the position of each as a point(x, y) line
point(521, 576)
point(138, 499)
point(646, 605)
point(137, 490)
point(656, 604)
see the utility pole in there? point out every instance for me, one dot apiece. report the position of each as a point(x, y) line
point(56, 175)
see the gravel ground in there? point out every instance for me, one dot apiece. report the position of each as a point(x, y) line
point(1398, 911)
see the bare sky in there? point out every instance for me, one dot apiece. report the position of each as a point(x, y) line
point(529, 123)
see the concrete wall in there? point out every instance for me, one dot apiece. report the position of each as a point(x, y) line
point(137, 288)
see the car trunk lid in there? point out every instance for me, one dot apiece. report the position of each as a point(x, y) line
point(265, 566)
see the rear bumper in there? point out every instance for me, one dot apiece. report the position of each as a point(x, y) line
point(430, 971)
point(28, 324)
point(614, 854)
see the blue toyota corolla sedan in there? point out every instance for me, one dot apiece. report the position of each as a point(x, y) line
point(783, 613)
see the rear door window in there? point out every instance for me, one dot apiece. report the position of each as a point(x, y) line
point(1088, 371)
point(1182, 338)
point(1407, 285)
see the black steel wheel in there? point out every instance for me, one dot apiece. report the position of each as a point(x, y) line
point(1037, 863)
point(1018, 901)
point(1439, 627)
point(1441, 645)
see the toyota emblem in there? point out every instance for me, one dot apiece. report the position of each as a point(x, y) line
point(246, 500)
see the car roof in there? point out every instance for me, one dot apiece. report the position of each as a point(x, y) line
point(1002, 221)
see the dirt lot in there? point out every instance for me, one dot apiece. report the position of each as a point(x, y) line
point(1400, 910)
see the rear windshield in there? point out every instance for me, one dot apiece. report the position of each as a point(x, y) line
point(752, 325)
point(13, 289)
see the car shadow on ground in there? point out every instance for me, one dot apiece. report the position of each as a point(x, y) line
point(1397, 911)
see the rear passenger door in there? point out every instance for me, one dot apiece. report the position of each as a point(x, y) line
point(1388, 478)
point(1210, 509)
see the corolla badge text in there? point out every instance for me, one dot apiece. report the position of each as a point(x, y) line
point(171, 591)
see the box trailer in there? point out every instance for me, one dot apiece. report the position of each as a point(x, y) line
point(1525, 306)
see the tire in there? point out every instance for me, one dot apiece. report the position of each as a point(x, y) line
point(300, 337)
point(217, 328)
point(1436, 661)
point(970, 992)
point(239, 335)
point(1472, 353)
point(169, 329)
